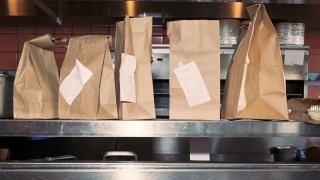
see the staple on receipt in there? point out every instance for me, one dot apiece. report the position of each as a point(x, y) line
point(192, 84)
point(73, 84)
point(127, 78)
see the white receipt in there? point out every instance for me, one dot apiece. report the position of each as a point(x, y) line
point(72, 85)
point(192, 84)
point(127, 79)
point(292, 57)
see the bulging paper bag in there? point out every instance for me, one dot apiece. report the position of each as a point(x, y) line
point(194, 69)
point(133, 69)
point(301, 109)
point(87, 87)
point(255, 86)
point(36, 84)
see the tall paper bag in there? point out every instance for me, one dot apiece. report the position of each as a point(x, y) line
point(194, 47)
point(133, 42)
point(35, 92)
point(87, 87)
point(255, 86)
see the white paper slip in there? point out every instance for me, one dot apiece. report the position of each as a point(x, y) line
point(127, 78)
point(192, 84)
point(292, 57)
point(72, 85)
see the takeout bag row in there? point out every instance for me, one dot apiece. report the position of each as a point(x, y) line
point(89, 88)
point(87, 85)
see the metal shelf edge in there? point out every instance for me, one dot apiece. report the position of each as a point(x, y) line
point(157, 128)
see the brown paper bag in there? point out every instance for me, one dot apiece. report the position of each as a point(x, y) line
point(298, 108)
point(195, 41)
point(96, 99)
point(255, 86)
point(36, 84)
point(133, 38)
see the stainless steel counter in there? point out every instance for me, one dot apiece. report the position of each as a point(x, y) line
point(163, 171)
point(157, 128)
point(197, 129)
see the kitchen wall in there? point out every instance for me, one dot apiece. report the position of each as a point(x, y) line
point(312, 39)
point(13, 38)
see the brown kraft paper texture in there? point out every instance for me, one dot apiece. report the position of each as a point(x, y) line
point(195, 41)
point(255, 86)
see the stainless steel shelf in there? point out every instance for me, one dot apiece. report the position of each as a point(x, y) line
point(157, 128)
point(141, 171)
point(225, 49)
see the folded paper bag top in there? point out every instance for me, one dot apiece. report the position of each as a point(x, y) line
point(87, 88)
point(47, 42)
point(255, 86)
point(37, 81)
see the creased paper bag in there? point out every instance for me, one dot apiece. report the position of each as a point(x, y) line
point(87, 87)
point(299, 109)
point(133, 42)
point(37, 81)
point(194, 69)
point(255, 86)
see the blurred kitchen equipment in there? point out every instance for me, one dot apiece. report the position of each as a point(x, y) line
point(291, 33)
point(170, 149)
point(314, 112)
point(43, 6)
point(313, 154)
point(165, 149)
point(256, 1)
point(6, 94)
point(301, 156)
point(291, 1)
point(229, 31)
point(4, 154)
point(243, 28)
point(240, 157)
point(120, 156)
point(56, 158)
point(284, 154)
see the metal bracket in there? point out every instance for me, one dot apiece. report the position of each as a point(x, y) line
point(44, 7)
